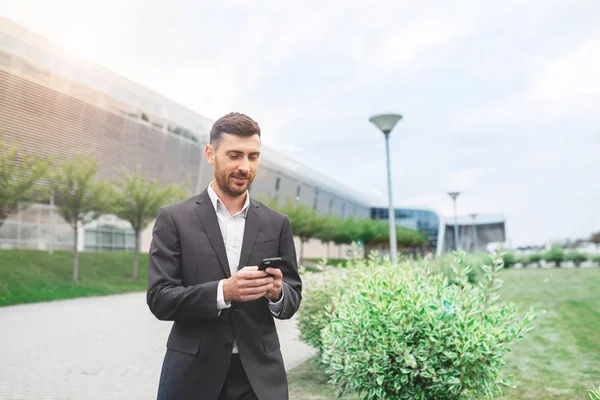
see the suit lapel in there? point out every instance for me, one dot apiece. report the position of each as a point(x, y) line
point(208, 218)
point(250, 232)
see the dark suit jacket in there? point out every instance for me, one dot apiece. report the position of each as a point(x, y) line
point(187, 261)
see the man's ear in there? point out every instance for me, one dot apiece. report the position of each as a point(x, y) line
point(209, 151)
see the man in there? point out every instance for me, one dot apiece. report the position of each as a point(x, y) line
point(203, 275)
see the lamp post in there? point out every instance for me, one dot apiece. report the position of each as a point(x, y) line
point(385, 123)
point(474, 230)
point(454, 195)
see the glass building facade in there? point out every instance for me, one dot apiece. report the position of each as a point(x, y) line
point(422, 220)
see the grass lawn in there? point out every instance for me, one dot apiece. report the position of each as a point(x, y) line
point(559, 359)
point(29, 276)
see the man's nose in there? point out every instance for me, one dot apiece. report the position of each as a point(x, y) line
point(244, 165)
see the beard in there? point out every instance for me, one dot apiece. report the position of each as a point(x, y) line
point(229, 185)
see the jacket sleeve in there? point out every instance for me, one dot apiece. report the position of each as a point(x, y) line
point(167, 297)
point(292, 284)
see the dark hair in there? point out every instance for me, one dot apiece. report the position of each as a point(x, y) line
point(234, 123)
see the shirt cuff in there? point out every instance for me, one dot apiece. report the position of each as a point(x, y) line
point(277, 306)
point(221, 303)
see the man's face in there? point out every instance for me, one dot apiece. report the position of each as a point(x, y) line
point(235, 161)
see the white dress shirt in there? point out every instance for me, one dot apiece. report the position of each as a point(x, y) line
point(232, 230)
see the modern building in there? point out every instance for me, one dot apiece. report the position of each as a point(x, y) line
point(475, 233)
point(56, 104)
point(422, 220)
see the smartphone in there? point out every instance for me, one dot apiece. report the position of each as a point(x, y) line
point(274, 262)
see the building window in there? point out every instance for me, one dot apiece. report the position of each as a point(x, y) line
point(343, 209)
point(330, 206)
point(316, 199)
point(298, 193)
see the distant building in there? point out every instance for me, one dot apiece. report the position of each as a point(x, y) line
point(422, 220)
point(475, 234)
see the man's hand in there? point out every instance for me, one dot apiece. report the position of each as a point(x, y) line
point(274, 294)
point(247, 284)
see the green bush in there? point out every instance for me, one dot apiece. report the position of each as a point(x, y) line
point(575, 257)
point(405, 333)
point(443, 264)
point(534, 258)
point(555, 255)
point(595, 258)
point(320, 296)
point(318, 304)
point(595, 394)
point(522, 259)
point(509, 260)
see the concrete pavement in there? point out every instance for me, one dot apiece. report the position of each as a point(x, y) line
point(94, 348)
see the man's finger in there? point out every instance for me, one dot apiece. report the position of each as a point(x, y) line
point(251, 297)
point(251, 274)
point(256, 290)
point(256, 282)
point(275, 272)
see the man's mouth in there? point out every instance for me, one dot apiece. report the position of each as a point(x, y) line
point(239, 180)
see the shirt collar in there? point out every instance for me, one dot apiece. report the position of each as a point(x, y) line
point(215, 200)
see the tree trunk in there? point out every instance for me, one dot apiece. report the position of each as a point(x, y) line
point(75, 256)
point(328, 248)
point(301, 251)
point(136, 257)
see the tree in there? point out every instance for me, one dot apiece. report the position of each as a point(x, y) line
point(18, 177)
point(405, 238)
point(555, 255)
point(327, 232)
point(371, 232)
point(305, 224)
point(534, 258)
point(345, 230)
point(136, 199)
point(595, 237)
point(77, 196)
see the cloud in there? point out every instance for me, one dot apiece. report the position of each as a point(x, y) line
point(399, 48)
point(569, 83)
point(465, 178)
point(565, 86)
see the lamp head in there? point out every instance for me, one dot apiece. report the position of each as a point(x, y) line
point(385, 122)
point(454, 195)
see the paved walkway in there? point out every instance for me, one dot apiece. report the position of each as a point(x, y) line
point(94, 348)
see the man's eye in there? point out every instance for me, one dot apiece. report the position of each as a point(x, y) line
point(233, 156)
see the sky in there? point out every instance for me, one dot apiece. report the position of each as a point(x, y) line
point(500, 99)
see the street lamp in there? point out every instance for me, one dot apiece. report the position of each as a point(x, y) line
point(474, 230)
point(385, 123)
point(454, 195)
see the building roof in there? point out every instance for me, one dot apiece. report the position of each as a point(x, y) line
point(480, 219)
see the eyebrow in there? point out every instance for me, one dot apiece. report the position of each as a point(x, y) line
point(241, 152)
